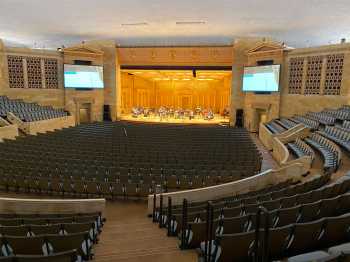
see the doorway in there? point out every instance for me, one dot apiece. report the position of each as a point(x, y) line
point(85, 113)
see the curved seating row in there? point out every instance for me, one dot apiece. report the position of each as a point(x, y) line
point(66, 256)
point(337, 135)
point(291, 231)
point(287, 123)
point(331, 155)
point(280, 190)
point(289, 240)
point(300, 149)
point(275, 127)
point(127, 159)
point(346, 126)
point(28, 112)
point(278, 217)
point(311, 123)
point(322, 117)
point(307, 206)
point(36, 237)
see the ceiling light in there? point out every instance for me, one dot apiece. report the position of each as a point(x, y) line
point(190, 22)
point(135, 24)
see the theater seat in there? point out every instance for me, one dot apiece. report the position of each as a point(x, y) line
point(67, 256)
point(340, 249)
point(317, 256)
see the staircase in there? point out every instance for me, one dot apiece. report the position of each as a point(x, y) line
point(130, 236)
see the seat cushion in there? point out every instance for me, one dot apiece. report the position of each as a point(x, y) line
point(344, 248)
point(312, 256)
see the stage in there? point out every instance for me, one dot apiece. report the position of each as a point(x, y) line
point(156, 119)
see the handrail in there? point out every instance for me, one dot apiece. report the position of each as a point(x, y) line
point(154, 208)
point(184, 223)
point(51, 206)
point(161, 211)
point(169, 215)
point(259, 181)
point(264, 256)
point(206, 232)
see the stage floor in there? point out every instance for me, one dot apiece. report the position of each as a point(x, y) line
point(217, 120)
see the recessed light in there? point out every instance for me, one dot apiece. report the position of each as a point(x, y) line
point(135, 24)
point(190, 22)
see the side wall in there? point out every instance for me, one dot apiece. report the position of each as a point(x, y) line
point(300, 104)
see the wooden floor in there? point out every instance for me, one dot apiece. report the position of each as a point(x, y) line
point(130, 236)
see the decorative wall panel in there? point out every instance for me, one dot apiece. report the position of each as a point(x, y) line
point(313, 75)
point(15, 70)
point(334, 74)
point(51, 73)
point(296, 66)
point(36, 69)
point(34, 72)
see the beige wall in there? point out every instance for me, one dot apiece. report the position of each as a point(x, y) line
point(54, 97)
point(239, 54)
point(300, 104)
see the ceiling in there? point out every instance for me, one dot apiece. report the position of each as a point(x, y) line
point(180, 75)
point(52, 23)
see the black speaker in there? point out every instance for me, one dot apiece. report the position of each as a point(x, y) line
point(106, 113)
point(239, 117)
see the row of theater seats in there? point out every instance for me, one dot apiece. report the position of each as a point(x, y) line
point(300, 221)
point(311, 123)
point(297, 209)
point(329, 151)
point(339, 136)
point(275, 127)
point(108, 189)
point(286, 123)
point(300, 149)
point(33, 237)
point(345, 126)
point(280, 195)
point(28, 112)
point(122, 158)
point(324, 118)
point(313, 120)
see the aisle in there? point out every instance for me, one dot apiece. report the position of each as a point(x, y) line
point(130, 236)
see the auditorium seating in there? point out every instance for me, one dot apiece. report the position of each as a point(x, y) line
point(311, 123)
point(346, 126)
point(28, 112)
point(287, 123)
point(280, 195)
point(275, 127)
point(126, 159)
point(341, 113)
point(300, 223)
point(52, 237)
point(331, 155)
point(300, 149)
point(322, 117)
point(337, 135)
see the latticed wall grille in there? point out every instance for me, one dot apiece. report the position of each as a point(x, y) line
point(51, 77)
point(34, 72)
point(15, 70)
point(37, 69)
point(296, 66)
point(334, 74)
point(313, 75)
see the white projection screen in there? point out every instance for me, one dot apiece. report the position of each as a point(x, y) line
point(83, 76)
point(261, 78)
